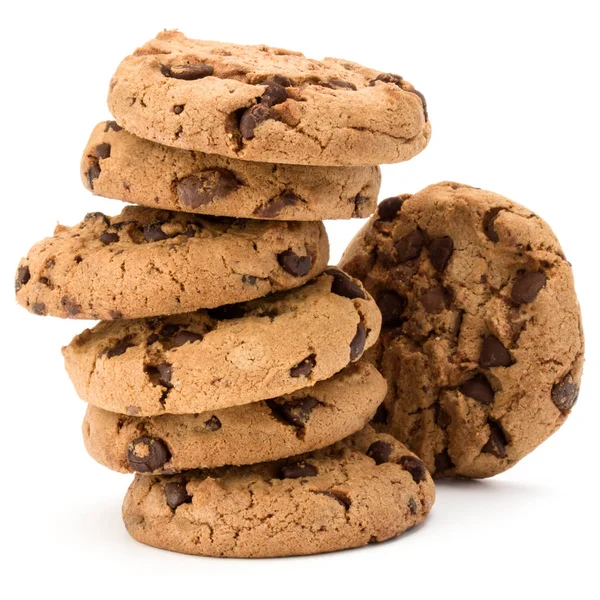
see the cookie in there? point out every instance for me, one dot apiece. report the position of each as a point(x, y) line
point(481, 342)
point(364, 490)
point(147, 262)
point(308, 419)
point(237, 354)
point(266, 104)
point(117, 164)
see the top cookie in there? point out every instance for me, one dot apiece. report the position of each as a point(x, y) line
point(481, 341)
point(266, 104)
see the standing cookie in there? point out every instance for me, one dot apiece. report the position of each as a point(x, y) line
point(117, 164)
point(147, 262)
point(266, 104)
point(481, 341)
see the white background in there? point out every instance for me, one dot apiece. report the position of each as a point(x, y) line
point(514, 101)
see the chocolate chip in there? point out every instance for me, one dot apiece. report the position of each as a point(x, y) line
point(112, 125)
point(281, 80)
point(178, 108)
point(389, 208)
point(39, 308)
point(94, 216)
point(213, 424)
point(342, 285)
point(422, 98)
point(152, 338)
point(93, 173)
point(338, 496)
point(527, 286)
point(359, 200)
point(214, 184)
point(169, 329)
point(304, 367)
point(434, 299)
point(493, 353)
point(392, 307)
point(380, 451)
point(412, 505)
point(146, 454)
point(274, 206)
point(415, 467)
point(70, 306)
point(357, 345)
point(23, 276)
point(187, 72)
point(440, 251)
point(409, 246)
point(497, 441)
point(274, 94)
point(295, 265)
point(153, 232)
point(226, 312)
point(297, 470)
point(176, 494)
point(564, 393)
point(249, 279)
point(253, 117)
point(160, 374)
point(339, 83)
point(443, 462)
point(121, 346)
point(102, 150)
point(388, 78)
point(294, 412)
point(109, 238)
point(488, 224)
point(381, 415)
point(479, 389)
point(184, 336)
point(115, 314)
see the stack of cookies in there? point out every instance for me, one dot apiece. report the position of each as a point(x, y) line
point(227, 370)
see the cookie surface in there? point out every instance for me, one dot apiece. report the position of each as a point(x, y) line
point(366, 489)
point(481, 341)
point(147, 262)
point(266, 104)
point(117, 164)
point(306, 420)
point(206, 360)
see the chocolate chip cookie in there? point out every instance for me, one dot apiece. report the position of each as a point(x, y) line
point(117, 164)
point(308, 419)
point(364, 490)
point(233, 355)
point(266, 104)
point(481, 341)
point(147, 262)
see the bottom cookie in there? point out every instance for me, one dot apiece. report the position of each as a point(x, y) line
point(367, 488)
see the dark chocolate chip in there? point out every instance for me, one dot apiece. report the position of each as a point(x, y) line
point(70, 306)
point(295, 265)
point(564, 393)
point(93, 216)
point(160, 374)
point(121, 346)
point(443, 462)
point(102, 150)
point(338, 496)
point(152, 338)
point(434, 299)
point(213, 424)
point(527, 286)
point(389, 208)
point(93, 173)
point(388, 78)
point(409, 246)
point(381, 415)
point(228, 311)
point(115, 314)
point(249, 279)
point(304, 367)
point(422, 98)
point(415, 467)
point(176, 494)
point(178, 108)
point(253, 117)
point(146, 454)
point(497, 441)
point(380, 451)
point(169, 329)
point(214, 184)
point(109, 238)
point(339, 83)
point(359, 200)
point(342, 285)
point(187, 72)
point(153, 232)
point(297, 470)
point(479, 389)
point(281, 80)
point(493, 353)
point(488, 224)
point(357, 345)
point(412, 505)
point(39, 308)
point(294, 412)
point(23, 276)
point(440, 251)
point(184, 336)
point(274, 206)
point(392, 307)
point(274, 94)
point(112, 125)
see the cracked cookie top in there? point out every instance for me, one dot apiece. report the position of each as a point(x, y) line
point(266, 104)
point(146, 262)
point(481, 339)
